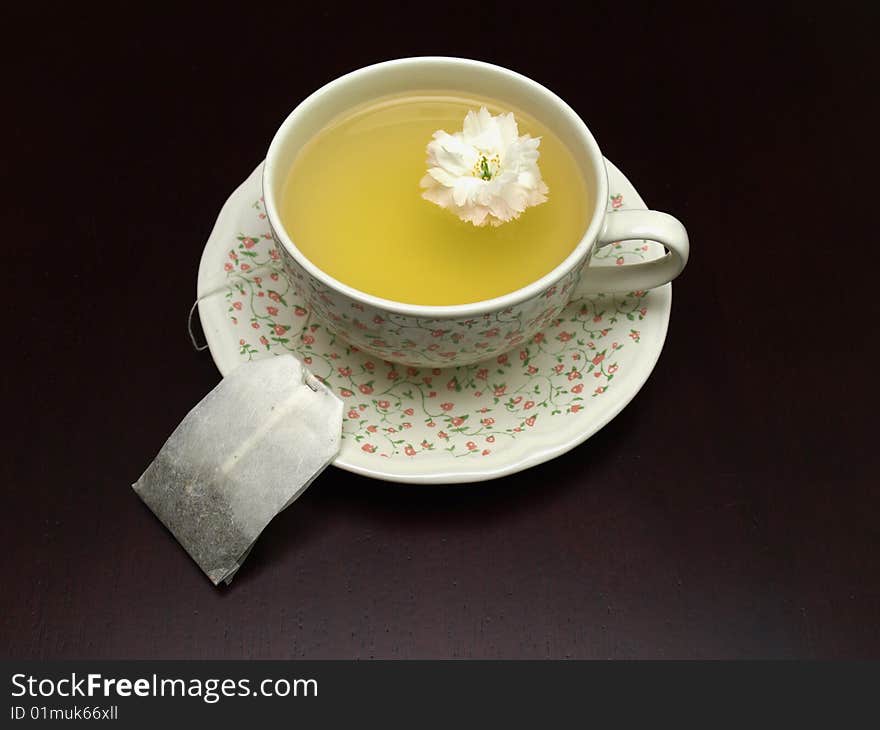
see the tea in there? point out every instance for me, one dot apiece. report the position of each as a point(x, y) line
point(352, 204)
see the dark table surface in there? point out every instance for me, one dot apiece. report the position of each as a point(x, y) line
point(731, 510)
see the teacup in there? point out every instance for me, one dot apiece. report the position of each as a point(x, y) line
point(440, 336)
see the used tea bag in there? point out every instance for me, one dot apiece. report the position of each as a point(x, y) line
point(243, 454)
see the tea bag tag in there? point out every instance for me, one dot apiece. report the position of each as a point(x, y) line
point(241, 456)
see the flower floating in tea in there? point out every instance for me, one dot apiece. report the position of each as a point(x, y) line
point(487, 173)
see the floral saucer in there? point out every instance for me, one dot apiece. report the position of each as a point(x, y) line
point(432, 425)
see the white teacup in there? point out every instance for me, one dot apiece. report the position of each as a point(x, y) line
point(439, 336)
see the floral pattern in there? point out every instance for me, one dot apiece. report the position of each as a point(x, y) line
point(420, 341)
point(465, 412)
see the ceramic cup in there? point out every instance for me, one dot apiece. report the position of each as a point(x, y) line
point(439, 336)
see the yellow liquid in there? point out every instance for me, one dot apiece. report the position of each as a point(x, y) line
point(352, 204)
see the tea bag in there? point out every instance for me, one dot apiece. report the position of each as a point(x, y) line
point(243, 454)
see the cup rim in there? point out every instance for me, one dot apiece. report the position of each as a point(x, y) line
point(431, 311)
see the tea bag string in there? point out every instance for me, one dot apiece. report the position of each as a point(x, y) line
point(211, 292)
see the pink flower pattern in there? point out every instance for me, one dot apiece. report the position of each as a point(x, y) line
point(392, 409)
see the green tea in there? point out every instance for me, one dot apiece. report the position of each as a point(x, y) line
point(352, 204)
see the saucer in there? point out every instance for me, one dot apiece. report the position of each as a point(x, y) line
point(432, 425)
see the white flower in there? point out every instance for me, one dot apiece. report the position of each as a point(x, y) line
point(486, 173)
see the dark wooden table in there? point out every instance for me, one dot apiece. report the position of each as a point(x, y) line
point(730, 511)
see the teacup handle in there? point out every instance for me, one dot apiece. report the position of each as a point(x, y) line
point(650, 225)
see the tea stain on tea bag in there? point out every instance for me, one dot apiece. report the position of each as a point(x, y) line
point(241, 456)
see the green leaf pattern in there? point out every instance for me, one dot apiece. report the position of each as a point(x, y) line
point(466, 411)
